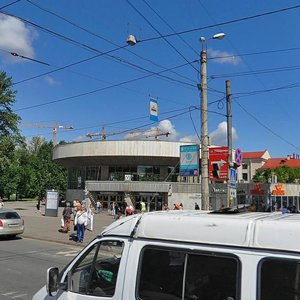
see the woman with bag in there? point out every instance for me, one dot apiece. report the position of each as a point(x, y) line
point(80, 222)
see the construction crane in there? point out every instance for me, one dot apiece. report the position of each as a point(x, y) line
point(145, 133)
point(54, 129)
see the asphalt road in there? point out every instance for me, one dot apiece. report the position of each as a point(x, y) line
point(24, 263)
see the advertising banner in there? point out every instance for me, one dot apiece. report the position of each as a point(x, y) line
point(189, 160)
point(218, 163)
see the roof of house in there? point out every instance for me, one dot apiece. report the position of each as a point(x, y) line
point(253, 155)
point(273, 163)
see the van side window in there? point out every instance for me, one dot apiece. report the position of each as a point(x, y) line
point(96, 272)
point(279, 279)
point(175, 275)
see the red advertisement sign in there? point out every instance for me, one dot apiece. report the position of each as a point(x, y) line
point(218, 163)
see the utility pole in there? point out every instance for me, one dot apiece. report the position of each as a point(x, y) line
point(229, 138)
point(204, 133)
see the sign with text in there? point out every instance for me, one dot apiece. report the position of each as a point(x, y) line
point(218, 163)
point(189, 160)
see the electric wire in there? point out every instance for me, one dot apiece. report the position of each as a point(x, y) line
point(155, 29)
point(87, 47)
point(256, 53)
point(224, 23)
point(12, 3)
point(163, 20)
point(24, 57)
point(100, 37)
point(261, 71)
point(98, 90)
point(265, 126)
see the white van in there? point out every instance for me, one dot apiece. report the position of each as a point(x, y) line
point(189, 255)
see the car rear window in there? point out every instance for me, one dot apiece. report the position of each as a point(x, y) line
point(9, 215)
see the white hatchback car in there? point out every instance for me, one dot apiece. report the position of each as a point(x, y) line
point(11, 224)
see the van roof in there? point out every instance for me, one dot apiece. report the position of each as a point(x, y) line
point(256, 230)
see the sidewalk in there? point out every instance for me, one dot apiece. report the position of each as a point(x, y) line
point(40, 227)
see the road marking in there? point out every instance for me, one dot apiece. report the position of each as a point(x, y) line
point(68, 253)
point(20, 296)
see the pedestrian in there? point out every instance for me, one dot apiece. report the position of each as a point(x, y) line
point(181, 206)
point(76, 204)
point(80, 222)
point(98, 205)
point(129, 210)
point(196, 206)
point(1, 203)
point(166, 207)
point(143, 206)
point(67, 213)
point(38, 206)
point(285, 210)
point(90, 214)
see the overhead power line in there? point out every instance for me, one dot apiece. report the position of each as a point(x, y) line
point(99, 36)
point(224, 23)
point(24, 57)
point(163, 20)
point(255, 72)
point(266, 127)
point(12, 3)
point(156, 30)
point(101, 89)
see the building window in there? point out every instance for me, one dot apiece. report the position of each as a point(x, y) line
point(244, 166)
point(245, 176)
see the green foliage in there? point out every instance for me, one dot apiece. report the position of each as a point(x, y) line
point(9, 136)
point(284, 174)
point(26, 170)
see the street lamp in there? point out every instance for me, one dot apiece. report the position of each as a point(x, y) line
point(204, 131)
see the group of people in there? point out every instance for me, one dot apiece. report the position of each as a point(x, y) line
point(178, 206)
point(82, 214)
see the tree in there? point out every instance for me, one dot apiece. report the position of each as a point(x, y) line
point(9, 134)
point(48, 175)
point(284, 174)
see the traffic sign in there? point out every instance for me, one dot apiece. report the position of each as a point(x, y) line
point(232, 178)
point(238, 156)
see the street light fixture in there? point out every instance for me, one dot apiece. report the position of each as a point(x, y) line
point(204, 127)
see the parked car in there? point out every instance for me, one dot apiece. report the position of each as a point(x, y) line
point(11, 224)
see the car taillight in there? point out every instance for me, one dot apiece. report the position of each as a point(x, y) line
point(1, 223)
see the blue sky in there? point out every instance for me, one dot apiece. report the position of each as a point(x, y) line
point(110, 89)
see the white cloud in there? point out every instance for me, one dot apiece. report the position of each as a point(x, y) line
point(224, 57)
point(51, 80)
point(16, 37)
point(219, 136)
point(190, 139)
point(150, 133)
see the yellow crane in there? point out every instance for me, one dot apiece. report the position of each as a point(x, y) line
point(54, 129)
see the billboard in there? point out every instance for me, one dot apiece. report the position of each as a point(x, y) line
point(189, 160)
point(218, 163)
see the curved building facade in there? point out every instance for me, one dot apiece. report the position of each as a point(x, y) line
point(119, 171)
